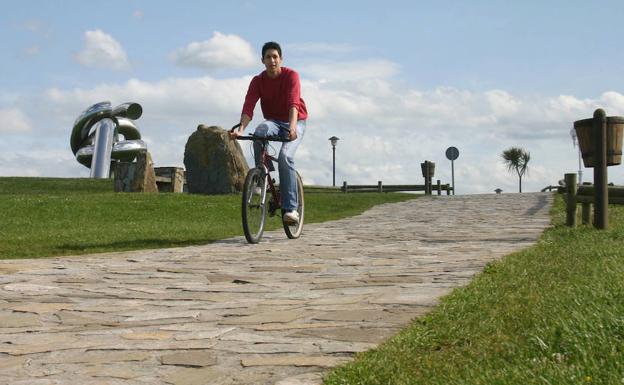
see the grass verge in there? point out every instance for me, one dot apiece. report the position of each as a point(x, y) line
point(57, 216)
point(551, 314)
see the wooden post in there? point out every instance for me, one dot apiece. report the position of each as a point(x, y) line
point(586, 212)
point(439, 186)
point(570, 185)
point(601, 198)
point(427, 178)
point(448, 189)
point(344, 187)
point(379, 186)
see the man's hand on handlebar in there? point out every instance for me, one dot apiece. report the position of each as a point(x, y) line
point(236, 131)
point(292, 134)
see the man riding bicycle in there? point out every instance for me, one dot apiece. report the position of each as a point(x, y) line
point(285, 114)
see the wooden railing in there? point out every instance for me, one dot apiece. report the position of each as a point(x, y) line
point(550, 188)
point(584, 195)
point(380, 187)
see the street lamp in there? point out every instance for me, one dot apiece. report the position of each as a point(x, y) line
point(333, 141)
point(574, 142)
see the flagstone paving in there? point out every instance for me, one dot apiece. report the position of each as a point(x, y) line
point(280, 312)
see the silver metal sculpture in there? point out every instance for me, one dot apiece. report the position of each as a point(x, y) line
point(95, 136)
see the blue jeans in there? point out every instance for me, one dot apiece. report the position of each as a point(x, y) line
point(285, 160)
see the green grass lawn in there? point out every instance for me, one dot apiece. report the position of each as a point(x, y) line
point(56, 216)
point(551, 314)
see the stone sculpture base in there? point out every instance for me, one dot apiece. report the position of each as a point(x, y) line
point(137, 176)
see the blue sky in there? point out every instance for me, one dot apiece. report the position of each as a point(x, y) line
point(401, 80)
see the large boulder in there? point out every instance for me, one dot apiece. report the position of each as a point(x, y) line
point(214, 163)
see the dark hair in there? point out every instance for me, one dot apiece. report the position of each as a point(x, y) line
point(271, 45)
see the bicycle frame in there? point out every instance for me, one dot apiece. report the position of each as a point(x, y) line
point(254, 211)
point(266, 159)
point(275, 201)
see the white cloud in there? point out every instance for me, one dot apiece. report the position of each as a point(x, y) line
point(13, 120)
point(44, 162)
point(220, 51)
point(502, 103)
point(175, 99)
point(101, 50)
point(386, 129)
point(612, 100)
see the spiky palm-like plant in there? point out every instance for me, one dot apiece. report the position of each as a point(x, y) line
point(516, 159)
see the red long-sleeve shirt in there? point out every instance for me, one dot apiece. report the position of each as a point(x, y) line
point(276, 96)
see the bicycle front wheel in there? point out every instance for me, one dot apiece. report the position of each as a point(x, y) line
point(294, 231)
point(254, 207)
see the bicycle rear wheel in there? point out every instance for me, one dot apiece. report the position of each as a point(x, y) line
point(254, 207)
point(294, 231)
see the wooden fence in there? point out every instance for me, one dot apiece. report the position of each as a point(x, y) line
point(584, 195)
point(173, 179)
point(380, 187)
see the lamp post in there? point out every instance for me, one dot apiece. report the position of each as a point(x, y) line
point(333, 141)
point(574, 142)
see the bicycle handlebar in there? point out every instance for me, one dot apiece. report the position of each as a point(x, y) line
point(272, 138)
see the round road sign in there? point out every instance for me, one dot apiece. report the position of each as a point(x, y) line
point(452, 153)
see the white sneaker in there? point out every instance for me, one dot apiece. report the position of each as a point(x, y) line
point(257, 190)
point(291, 218)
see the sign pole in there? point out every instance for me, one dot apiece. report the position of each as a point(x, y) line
point(453, 175)
point(452, 153)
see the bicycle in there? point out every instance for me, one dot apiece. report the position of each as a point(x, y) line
point(258, 183)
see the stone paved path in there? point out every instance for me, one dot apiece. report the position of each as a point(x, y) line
point(281, 312)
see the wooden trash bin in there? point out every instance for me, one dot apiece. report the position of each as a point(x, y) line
point(423, 168)
point(615, 133)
